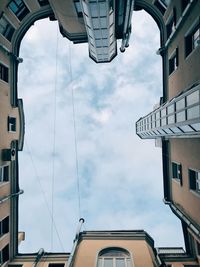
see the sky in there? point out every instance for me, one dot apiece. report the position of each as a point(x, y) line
point(120, 175)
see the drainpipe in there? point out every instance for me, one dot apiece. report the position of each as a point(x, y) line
point(127, 26)
point(69, 263)
point(5, 49)
point(183, 217)
point(11, 196)
point(38, 257)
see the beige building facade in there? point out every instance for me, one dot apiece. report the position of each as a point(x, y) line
point(176, 122)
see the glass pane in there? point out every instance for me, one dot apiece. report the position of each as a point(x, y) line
point(99, 264)
point(171, 119)
point(103, 22)
point(163, 112)
point(180, 116)
point(193, 112)
point(95, 23)
point(180, 104)
point(102, 8)
point(186, 128)
point(108, 262)
point(93, 8)
point(163, 121)
point(192, 98)
point(170, 109)
point(128, 261)
point(196, 126)
point(120, 263)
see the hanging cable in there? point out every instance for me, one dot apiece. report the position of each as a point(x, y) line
point(75, 134)
point(43, 194)
point(54, 139)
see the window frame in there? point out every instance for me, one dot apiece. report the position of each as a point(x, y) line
point(173, 61)
point(188, 38)
point(127, 258)
point(19, 10)
point(8, 30)
point(4, 72)
point(12, 124)
point(171, 23)
point(178, 177)
point(4, 177)
point(194, 180)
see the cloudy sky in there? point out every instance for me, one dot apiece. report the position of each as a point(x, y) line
point(120, 176)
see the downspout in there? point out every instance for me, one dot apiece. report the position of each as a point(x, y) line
point(71, 258)
point(183, 217)
point(38, 257)
point(11, 196)
point(127, 25)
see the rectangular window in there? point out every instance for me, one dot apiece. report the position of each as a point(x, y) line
point(43, 2)
point(11, 124)
point(78, 8)
point(173, 62)
point(3, 73)
point(177, 171)
point(170, 26)
point(184, 4)
point(56, 265)
point(192, 39)
point(4, 226)
point(19, 8)
point(161, 6)
point(6, 29)
point(4, 255)
point(4, 174)
point(194, 180)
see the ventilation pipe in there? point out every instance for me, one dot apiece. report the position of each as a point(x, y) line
point(127, 25)
point(11, 196)
point(69, 263)
point(38, 257)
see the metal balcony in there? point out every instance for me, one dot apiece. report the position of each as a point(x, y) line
point(179, 117)
point(99, 18)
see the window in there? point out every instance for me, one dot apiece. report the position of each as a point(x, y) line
point(114, 257)
point(192, 39)
point(18, 8)
point(161, 6)
point(56, 265)
point(4, 226)
point(43, 2)
point(4, 174)
point(78, 8)
point(11, 124)
point(6, 29)
point(173, 62)
point(170, 26)
point(184, 4)
point(177, 171)
point(3, 73)
point(4, 255)
point(194, 180)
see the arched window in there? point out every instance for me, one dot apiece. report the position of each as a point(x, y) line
point(114, 257)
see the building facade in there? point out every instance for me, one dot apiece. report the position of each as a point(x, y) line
point(176, 121)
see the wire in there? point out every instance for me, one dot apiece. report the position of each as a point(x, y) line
point(54, 139)
point(43, 193)
point(75, 135)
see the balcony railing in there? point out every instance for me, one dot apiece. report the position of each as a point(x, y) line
point(178, 117)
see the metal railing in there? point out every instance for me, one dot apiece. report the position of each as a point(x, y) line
point(178, 117)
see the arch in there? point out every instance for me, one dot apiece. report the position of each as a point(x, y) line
point(158, 17)
point(16, 41)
